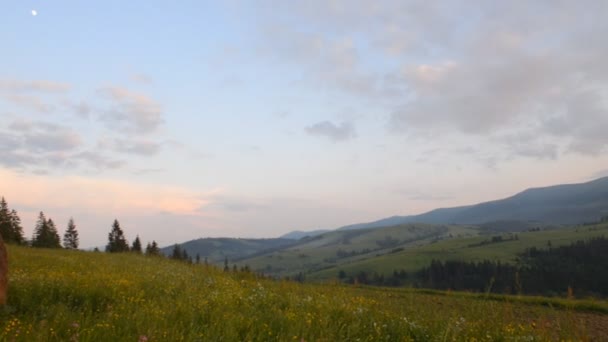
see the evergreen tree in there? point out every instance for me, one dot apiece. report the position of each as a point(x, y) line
point(45, 233)
point(136, 247)
point(17, 229)
point(116, 240)
point(198, 258)
point(177, 252)
point(70, 238)
point(10, 224)
point(5, 223)
point(152, 249)
point(54, 240)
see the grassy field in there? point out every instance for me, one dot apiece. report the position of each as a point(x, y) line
point(84, 296)
point(321, 251)
point(412, 259)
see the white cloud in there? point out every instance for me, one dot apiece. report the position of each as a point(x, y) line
point(509, 68)
point(336, 133)
point(21, 86)
point(131, 111)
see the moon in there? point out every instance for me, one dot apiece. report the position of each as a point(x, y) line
point(34, 13)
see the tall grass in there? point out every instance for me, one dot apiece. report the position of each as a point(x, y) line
point(84, 296)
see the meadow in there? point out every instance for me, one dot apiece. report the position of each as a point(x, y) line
point(467, 249)
point(59, 295)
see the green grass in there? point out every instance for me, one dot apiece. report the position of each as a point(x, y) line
point(78, 296)
point(320, 252)
point(413, 259)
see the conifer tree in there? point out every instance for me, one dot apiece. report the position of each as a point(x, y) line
point(136, 247)
point(152, 249)
point(116, 240)
point(53, 238)
point(40, 232)
point(10, 224)
point(70, 238)
point(17, 229)
point(45, 233)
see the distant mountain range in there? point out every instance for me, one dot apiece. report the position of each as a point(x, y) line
point(546, 207)
point(553, 205)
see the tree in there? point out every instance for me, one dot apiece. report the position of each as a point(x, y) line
point(116, 240)
point(45, 233)
point(177, 252)
point(70, 237)
point(152, 249)
point(180, 253)
point(136, 247)
point(54, 240)
point(10, 224)
point(17, 230)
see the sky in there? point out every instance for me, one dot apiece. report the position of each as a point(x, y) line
point(195, 119)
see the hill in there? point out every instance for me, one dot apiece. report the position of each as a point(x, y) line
point(556, 205)
point(346, 246)
point(59, 295)
point(298, 234)
point(477, 248)
point(217, 249)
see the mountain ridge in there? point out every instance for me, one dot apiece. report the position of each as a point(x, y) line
point(555, 204)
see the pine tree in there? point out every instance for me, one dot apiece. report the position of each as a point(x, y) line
point(136, 247)
point(53, 238)
point(116, 240)
point(45, 233)
point(39, 231)
point(17, 229)
point(152, 249)
point(70, 238)
point(10, 224)
point(5, 223)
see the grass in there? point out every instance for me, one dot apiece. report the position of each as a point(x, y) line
point(412, 259)
point(321, 251)
point(83, 296)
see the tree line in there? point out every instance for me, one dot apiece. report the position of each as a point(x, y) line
point(46, 234)
point(578, 268)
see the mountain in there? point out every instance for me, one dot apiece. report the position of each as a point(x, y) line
point(298, 234)
point(557, 205)
point(217, 249)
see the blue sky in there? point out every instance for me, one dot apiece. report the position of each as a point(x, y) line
point(255, 118)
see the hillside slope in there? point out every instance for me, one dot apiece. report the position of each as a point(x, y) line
point(59, 295)
point(560, 204)
point(217, 249)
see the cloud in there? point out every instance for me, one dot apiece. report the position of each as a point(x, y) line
point(535, 68)
point(140, 147)
point(46, 137)
point(20, 86)
point(28, 94)
point(98, 161)
point(144, 209)
point(336, 133)
point(131, 111)
point(36, 145)
point(30, 102)
point(141, 78)
point(237, 205)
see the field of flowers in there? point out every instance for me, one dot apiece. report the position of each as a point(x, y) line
point(85, 296)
